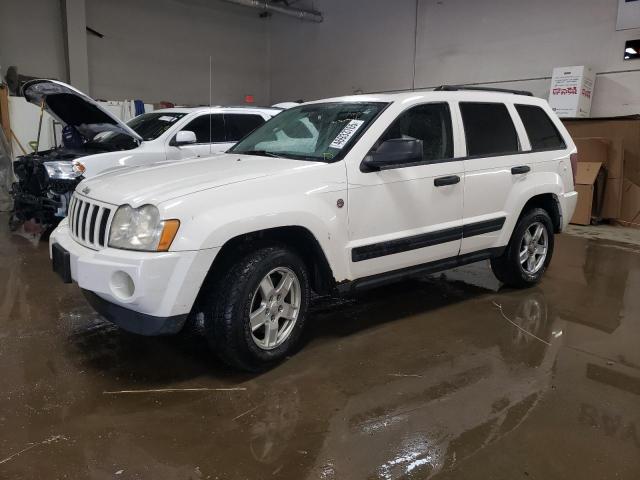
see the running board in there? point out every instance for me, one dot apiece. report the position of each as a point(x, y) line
point(352, 286)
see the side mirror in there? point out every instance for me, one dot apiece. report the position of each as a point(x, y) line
point(393, 153)
point(183, 137)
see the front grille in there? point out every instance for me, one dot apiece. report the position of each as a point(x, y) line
point(89, 221)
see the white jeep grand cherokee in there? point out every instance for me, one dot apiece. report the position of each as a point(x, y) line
point(331, 196)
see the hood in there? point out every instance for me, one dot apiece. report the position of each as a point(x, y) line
point(164, 181)
point(72, 107)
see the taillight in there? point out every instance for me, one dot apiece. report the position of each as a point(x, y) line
point(574, 165)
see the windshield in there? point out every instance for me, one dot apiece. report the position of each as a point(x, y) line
point(148, 125)
point(319, 132)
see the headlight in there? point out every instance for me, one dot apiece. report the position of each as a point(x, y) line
point(61, 170)
point(141, 229)
point(79, 167)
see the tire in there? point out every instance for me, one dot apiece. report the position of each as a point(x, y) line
point(509, 268)
point(241, 292)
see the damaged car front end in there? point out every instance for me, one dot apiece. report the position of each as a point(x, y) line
point(46, 179)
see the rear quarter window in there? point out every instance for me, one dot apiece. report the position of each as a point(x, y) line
point(542, 133)
point(239, 125)
point(488, 129)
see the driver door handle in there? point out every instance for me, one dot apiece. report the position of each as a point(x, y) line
point(521, 169)
point(449, 180)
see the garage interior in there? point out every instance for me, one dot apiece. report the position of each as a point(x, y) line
point(446, 376)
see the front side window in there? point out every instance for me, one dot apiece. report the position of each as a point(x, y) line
point(208, 128)
point(430, 123)
point(542, 133)
point(239, 125)
point(489, 129)
point(320, 132)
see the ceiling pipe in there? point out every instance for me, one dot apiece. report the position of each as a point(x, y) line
point(305, 15)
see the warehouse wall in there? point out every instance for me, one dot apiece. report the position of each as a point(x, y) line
point(152, 49)
point(368, 46)
point(32, 37)
point(159, 50)
point(361, 45)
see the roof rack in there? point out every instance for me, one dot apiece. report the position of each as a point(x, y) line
point(455, 88)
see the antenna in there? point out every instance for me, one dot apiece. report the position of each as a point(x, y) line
point(210, 105)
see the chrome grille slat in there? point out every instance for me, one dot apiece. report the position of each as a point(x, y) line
point(72, 204)
point(99, 241)
point(78, 216)
point(93, 214)
point(83, 220)
point(86, 220)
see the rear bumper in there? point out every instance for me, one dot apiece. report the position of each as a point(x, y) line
point(135, 322)
point(568, 203)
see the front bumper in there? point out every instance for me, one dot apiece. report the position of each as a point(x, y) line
point(143, 292)
point(135, 322)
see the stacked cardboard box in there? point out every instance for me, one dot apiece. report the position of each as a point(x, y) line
point(620, 138)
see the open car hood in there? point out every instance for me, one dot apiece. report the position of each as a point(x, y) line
point(72, 107)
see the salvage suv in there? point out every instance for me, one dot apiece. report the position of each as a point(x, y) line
point(332, 196)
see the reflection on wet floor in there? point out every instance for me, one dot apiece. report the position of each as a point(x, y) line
point(425, 378)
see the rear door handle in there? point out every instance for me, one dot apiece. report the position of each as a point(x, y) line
point(521, 169)
point(450, 180)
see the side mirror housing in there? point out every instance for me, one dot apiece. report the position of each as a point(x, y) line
point(184, 137)
point(393, 153)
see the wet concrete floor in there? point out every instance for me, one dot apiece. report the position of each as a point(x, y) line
point(444, 377)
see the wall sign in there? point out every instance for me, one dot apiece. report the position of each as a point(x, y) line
point(628, 14)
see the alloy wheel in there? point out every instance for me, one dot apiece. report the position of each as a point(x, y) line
point(274, 308)
point(533, 248)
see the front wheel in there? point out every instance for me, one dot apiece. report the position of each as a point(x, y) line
point(529, 251)
point(256, 314)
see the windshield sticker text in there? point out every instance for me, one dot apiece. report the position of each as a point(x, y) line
point(345, 135)
point(167, 118)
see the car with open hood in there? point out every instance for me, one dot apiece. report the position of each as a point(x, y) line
point(95, 140)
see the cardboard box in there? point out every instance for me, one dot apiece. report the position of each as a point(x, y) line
point(599, 149)
point(630, 211)
point(624, 129)
point(609, 153)
point(624, 132)
point(588, 192)
point(612, 201)
point(571, 91)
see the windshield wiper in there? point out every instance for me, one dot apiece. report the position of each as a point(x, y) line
point(290, 156)
point(262, 153)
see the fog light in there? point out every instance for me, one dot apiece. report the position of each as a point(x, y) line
point(122, 285)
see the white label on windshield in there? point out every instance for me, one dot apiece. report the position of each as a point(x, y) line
point(167, 118)
point(346, 133)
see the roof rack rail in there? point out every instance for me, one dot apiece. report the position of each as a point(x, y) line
point(455, 88)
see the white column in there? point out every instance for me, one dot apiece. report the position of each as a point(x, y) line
point(76, 36)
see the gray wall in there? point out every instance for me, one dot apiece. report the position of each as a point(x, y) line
point(159, 50)
point(361, 45)
point(152, 49)
point(368, 45)
point(32, 37)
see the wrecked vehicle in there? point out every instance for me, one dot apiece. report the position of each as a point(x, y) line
point(95, 140)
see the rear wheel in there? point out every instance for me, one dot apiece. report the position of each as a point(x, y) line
point(255, 314)
point(529, 251)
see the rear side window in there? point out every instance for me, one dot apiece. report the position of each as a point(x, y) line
point(239, 125)
point(489, 129)
point(430, 123)
point(204, 124)
point(542, 133)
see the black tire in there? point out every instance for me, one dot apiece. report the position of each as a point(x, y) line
point(507, 267)
point(228, 303)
